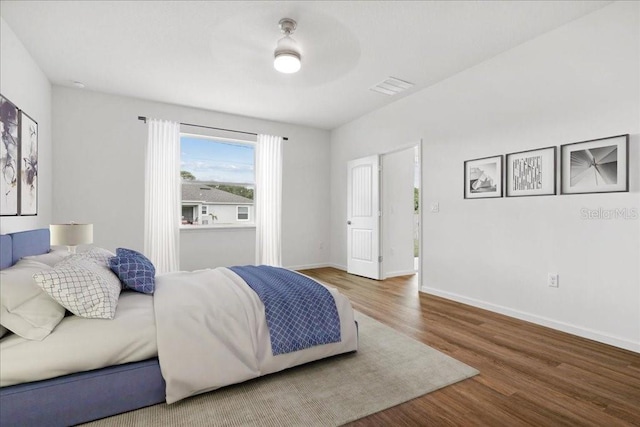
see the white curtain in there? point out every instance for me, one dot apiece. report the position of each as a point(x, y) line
point(162, 196)
point(268, 200)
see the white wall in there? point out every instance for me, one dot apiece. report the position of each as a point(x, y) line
point(397, 179)
point(578, 82)
point(213, 247)
point(99, 177)
point(24, 84)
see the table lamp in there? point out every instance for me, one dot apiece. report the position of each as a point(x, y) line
point(71, 235)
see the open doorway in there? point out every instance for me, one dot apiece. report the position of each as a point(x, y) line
point(400, 206)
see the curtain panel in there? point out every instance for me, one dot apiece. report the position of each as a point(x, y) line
point(268, 200)
point(162, 195)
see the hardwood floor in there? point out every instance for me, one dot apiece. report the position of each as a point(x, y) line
point(529, 374)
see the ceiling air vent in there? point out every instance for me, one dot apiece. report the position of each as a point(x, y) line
point(391, 86)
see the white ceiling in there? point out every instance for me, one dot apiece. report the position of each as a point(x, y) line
point(219, 55)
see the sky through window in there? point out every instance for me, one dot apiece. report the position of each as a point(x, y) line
point(217, 160)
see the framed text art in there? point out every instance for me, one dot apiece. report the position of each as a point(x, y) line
point(9, 156)
point(531, 173)
point(595, 166)
point(28, 165)
point(483, 178)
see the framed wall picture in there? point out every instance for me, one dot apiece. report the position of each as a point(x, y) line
point(531, 173)
point(28, 165)
point(595, 166)
point(483, 178)
point(9, 156)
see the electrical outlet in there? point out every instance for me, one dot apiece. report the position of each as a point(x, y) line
point(435, 207)
point(553, 280)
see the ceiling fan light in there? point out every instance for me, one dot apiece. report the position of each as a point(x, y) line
point(287, 56)
point(287, 62)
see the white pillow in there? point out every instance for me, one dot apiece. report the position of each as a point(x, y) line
point(84, 287)
point(24, 308)
point(51, 258)
point(98, 255)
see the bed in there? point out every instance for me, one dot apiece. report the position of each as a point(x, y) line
point(156, 353)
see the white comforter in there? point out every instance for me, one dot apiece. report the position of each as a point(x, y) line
point(207, 326)
point(212, 332)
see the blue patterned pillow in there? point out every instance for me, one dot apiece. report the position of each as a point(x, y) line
point(135, 270)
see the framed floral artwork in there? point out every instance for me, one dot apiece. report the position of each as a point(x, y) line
point(28, 165)
point(9, 157)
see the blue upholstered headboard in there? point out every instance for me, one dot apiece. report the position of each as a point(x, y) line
point(14, 246)
point(6, 252)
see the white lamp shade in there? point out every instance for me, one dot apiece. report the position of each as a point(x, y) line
point(71, 234)
point(287, 56)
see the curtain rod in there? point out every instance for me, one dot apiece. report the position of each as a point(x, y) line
point(144, 119)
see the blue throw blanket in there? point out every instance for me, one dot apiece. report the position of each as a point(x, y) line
point(300, 312)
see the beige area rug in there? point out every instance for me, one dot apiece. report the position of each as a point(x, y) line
point(388, 369)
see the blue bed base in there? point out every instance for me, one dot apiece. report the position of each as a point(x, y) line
point(86, 396)
point(76, 398)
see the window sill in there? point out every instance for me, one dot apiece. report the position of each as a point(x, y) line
point(195, 228)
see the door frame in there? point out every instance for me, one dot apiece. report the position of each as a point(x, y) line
point(415, 144)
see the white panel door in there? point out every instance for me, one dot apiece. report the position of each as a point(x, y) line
point(363, 217)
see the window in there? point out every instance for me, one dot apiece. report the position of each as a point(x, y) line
point(187, 214)
point(242, 213)
point(217, 174)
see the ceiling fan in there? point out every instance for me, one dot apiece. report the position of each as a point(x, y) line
point(287, 54)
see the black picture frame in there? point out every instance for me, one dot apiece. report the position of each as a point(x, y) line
point(531, 173)
point(483, 177)
point(595, 166)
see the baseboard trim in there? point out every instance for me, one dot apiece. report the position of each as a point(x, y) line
point(320, 265)
point(307, 266)
point(539, 320)
point(337, 266)
point(399, 273)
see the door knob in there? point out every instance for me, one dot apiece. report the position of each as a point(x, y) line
point(348, 222)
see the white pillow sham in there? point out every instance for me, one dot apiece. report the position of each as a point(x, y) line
point(24, 308)
point(82, 285)
point(98, 255)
